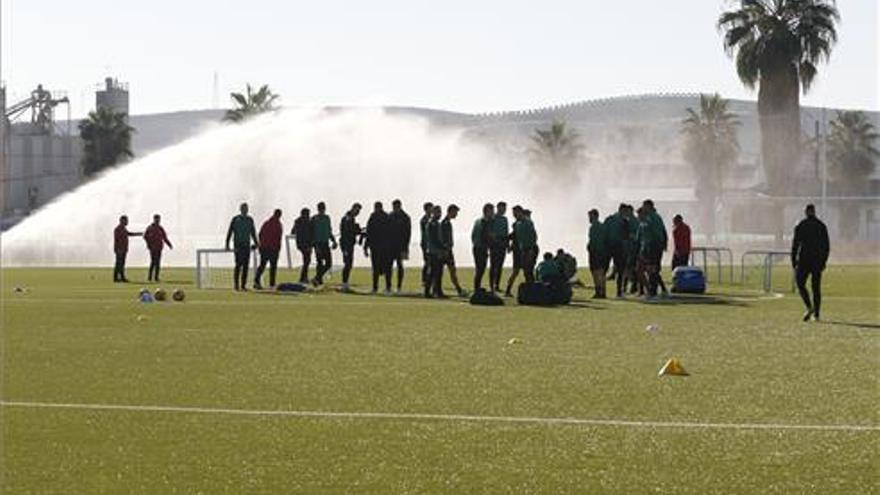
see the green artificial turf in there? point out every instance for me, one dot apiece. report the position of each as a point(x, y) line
point(73, 337)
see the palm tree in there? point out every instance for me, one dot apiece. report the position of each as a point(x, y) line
point(778, 45)
point(558, 146)
point(852, 157)
point(106, 139)
point(251, 103)
point(710, 145)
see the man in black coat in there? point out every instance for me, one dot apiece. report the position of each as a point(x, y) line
point(401, 232)
point(809, 254)
point(379, 246)
point(302, 231)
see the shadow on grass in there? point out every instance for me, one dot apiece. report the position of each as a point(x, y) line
point(689, 299)
point(865, 326)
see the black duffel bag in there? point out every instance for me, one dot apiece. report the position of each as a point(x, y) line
point(482, 297)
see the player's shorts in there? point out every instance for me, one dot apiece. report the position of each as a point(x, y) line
point(517, 260)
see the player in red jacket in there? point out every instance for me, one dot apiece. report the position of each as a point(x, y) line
point(120, 248)
point(270, 247)
point(156, 239)
point(681, 237)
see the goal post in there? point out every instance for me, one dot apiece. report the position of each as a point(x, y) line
point(214, 267)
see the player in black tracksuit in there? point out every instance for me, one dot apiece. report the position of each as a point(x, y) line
point(302, 230)
point(809, 254)
point(349, 235)
point(401, 232)
point(424, 241)
point(379, 246)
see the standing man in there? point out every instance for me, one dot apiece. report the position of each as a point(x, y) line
point(597, 247)
point(241, 232)
point(379, 246)
point(809, 254)
point(302, 231)
point(681, 238)
point(434, 287)
point(661, 240)
point(498, 246)
point(322, 237)
point(120, 248)
point(156, 240)
point(481, 239)
point(515, 254)
point(349, 235)
point(615, 229)
point(447, 241)
point(527, 238)
point(270, 248)
point(424, 242)
point(401, 233)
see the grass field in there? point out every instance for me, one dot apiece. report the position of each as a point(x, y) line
point(757, 375)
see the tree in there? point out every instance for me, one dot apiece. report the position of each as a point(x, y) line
point(710, 145)
point(106, 139)
point(250, 103)
point(778, 45)
point(558, 146)
point(852, 157)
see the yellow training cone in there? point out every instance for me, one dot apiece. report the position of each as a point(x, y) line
point(673, 367)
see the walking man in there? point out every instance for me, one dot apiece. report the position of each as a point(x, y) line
point(681, 239)
point(270, 248)
point(379, 245)
point(120, 248)
point(424, 242)
point(498, 246)
point(481, 239)
point(302, 231)
point(156, 240)
point(615, 229)
point(322, 238)
point(401, 232)
point(598, 253)
point(447, 241)
point(349, 235)
point(527, 238)
point(809, 254)
point(514, 254)
point(241, 232)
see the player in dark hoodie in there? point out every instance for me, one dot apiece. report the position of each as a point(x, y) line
point(401, 232)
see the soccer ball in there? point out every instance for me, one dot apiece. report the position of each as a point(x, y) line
point(160, 295)
point(178, 295)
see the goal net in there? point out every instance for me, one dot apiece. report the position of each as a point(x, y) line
point(214, 268)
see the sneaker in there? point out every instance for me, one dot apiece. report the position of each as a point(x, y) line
point(387, 292)
point(808, 315)
point(816, 317)
point(258, 287)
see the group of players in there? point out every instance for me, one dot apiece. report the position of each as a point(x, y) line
point(633, 240)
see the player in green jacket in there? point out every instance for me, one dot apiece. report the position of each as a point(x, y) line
point(597, 247)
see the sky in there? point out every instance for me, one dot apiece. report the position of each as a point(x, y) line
point(463, 55)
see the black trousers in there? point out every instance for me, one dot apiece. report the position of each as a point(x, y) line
point(528, 258)
point(481, 256)
point(381, 263)
point(270, 257)
point(306, 261)
point(496, 265)
point(815, 275)
point(323, 261)
point(397, 259)
point(242, 260)
point(618, 257)
point(119, 266)
point(426, 268)
point(347, 262)
point(680, 260)
point(155, 262)
point(435, 287)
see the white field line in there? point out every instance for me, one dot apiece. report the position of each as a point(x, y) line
point(439, 417)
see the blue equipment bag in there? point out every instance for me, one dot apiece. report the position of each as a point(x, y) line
point(688, 280)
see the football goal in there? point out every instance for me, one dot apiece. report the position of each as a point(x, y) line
point(214, 268)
